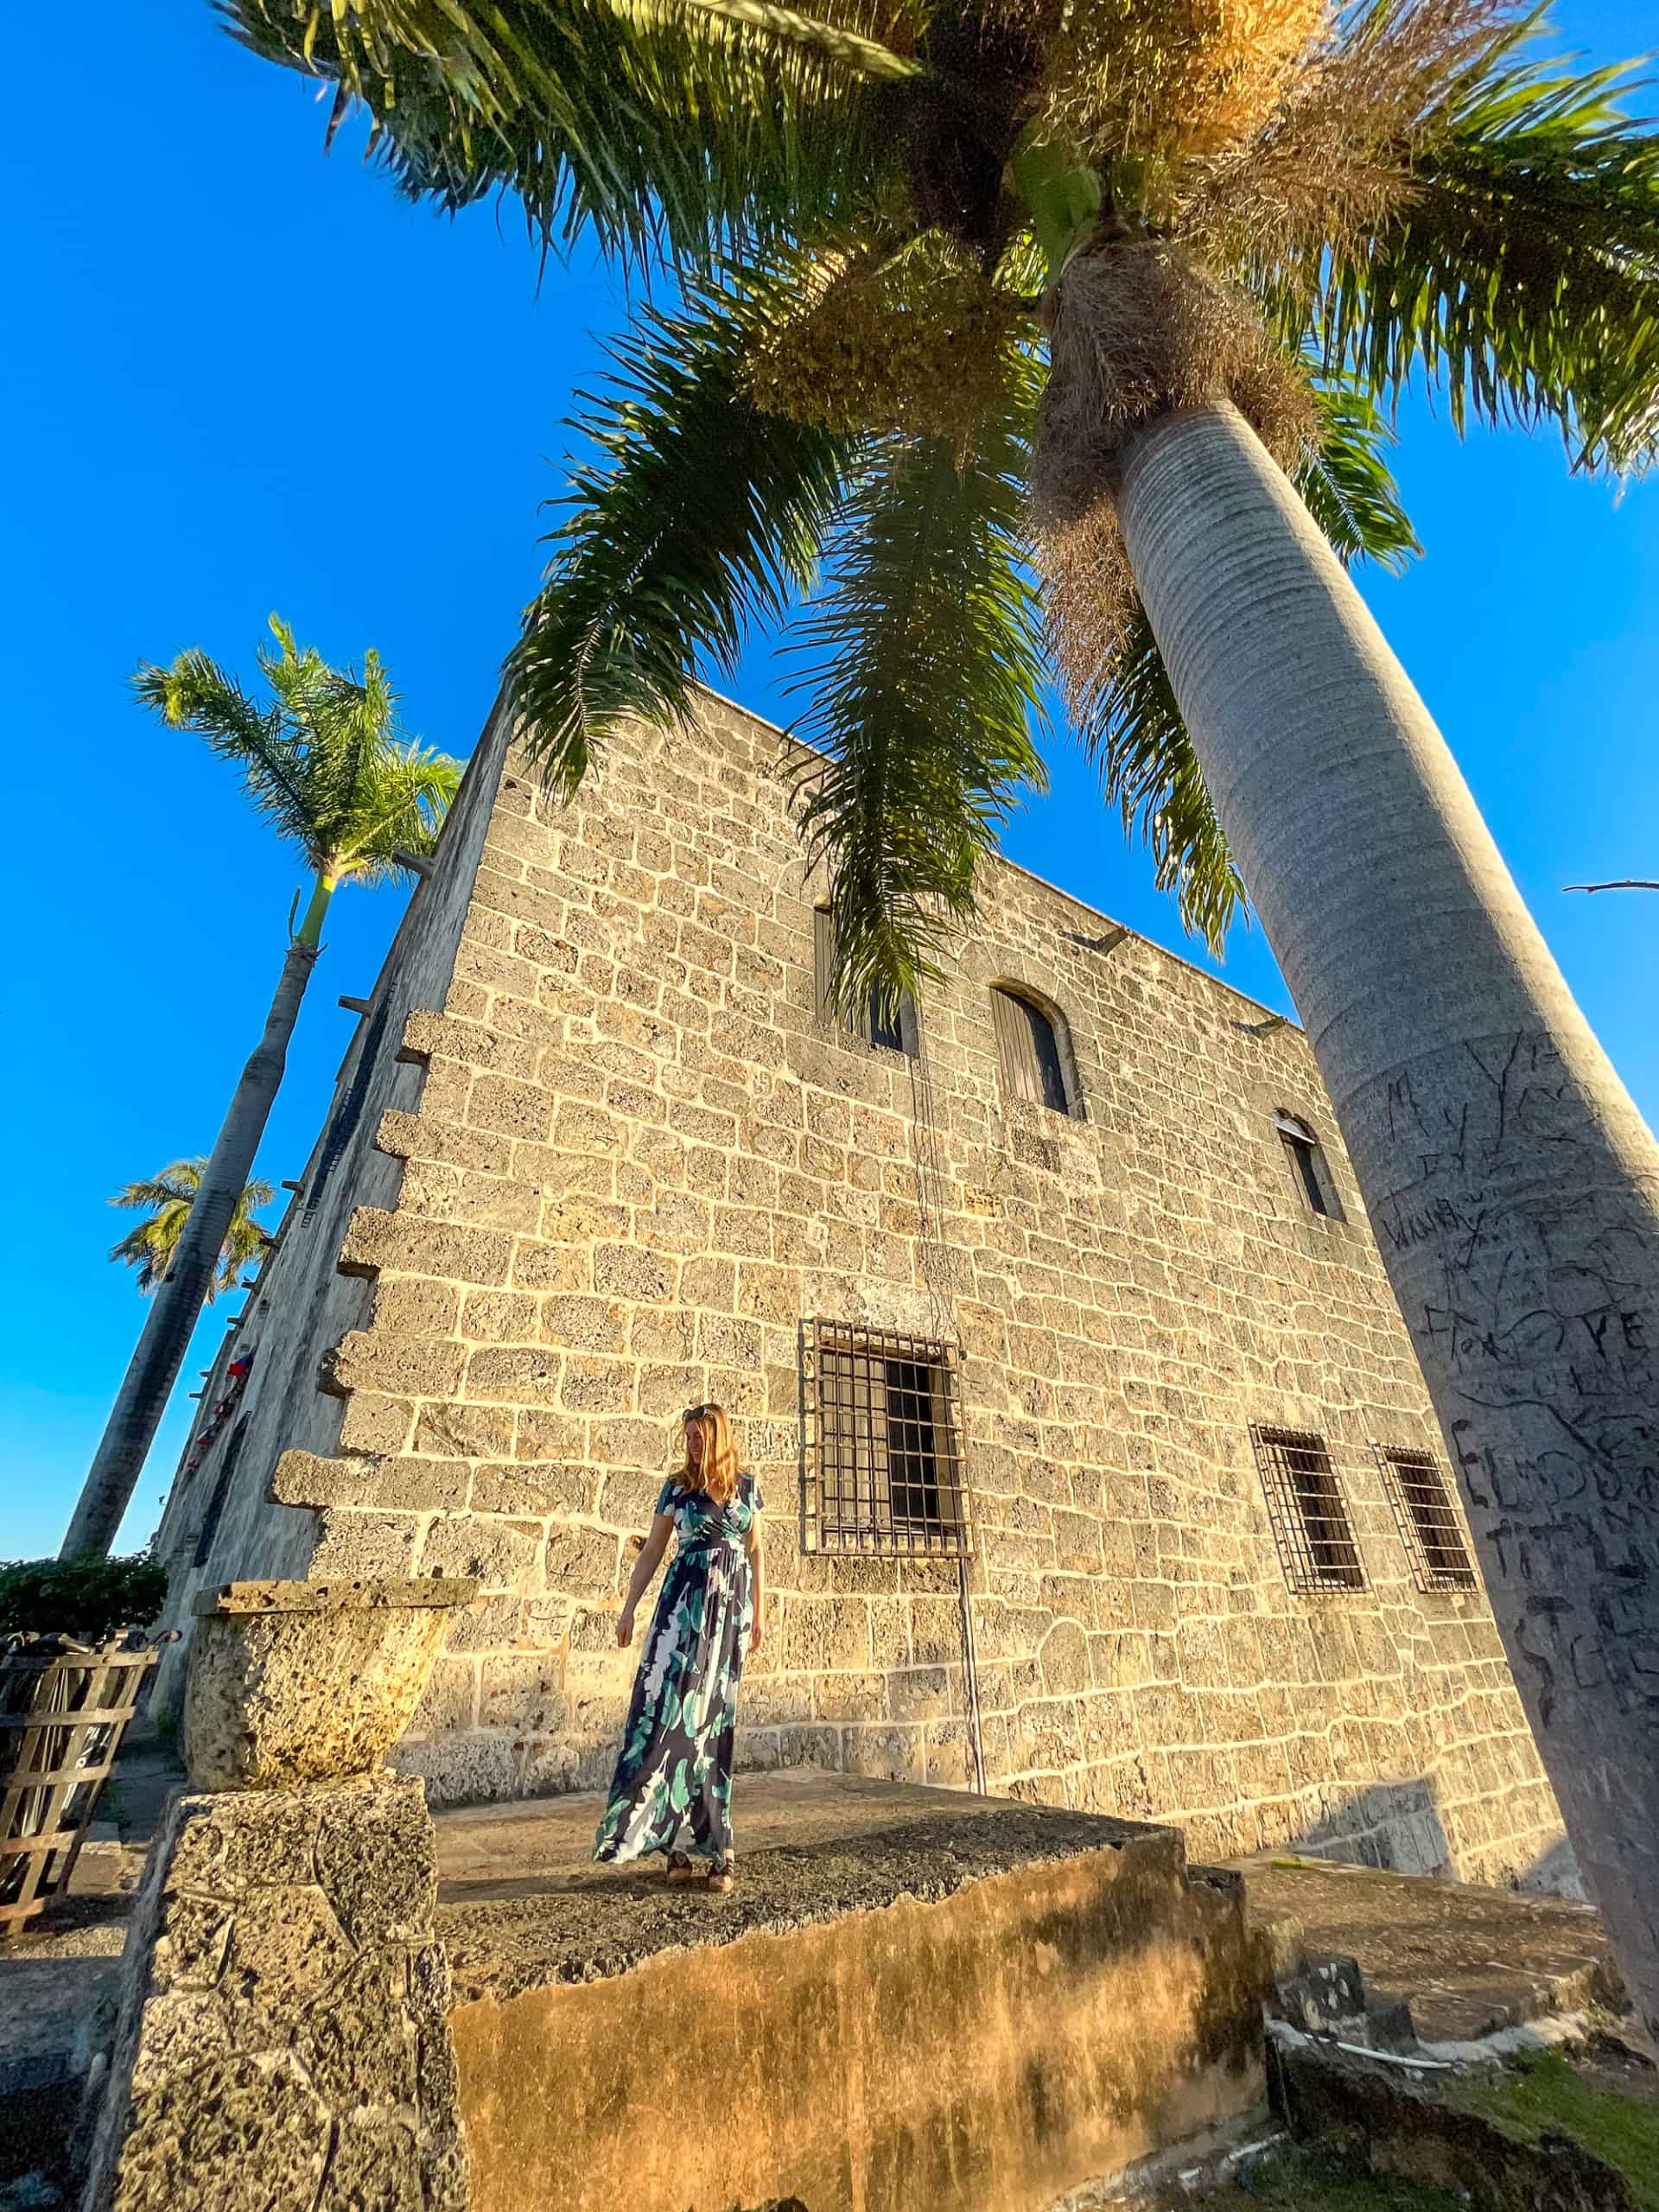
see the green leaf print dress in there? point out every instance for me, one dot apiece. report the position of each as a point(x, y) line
point(672, 1789)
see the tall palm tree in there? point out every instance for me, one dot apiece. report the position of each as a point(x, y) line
point(152, 1246)
point(1156, 266)
point(325, 762)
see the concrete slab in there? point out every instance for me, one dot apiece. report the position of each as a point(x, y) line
point(914, 1998)
point(1464, 1960)
point(521, 1904)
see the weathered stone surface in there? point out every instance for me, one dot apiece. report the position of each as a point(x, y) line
point(638, 1051)
point(316, 2055)
point(294, 1682)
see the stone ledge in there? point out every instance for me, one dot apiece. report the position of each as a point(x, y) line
point(332, 1597)
point(522, 1906)
point(914, 1998)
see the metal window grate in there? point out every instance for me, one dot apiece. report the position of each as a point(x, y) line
point(1307, 1511)
point(1428, 1519)
point(883, 1443)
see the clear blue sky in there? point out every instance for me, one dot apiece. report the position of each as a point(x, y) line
point(240, 376)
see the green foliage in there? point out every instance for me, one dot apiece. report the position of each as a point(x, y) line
point(1548, 2095)
point(924, 671)
point(670, 126)
point(1415, 195)
point(1347, 485)
point(166, 1198)
point(324, 762)
point(1521, 278)
point(1312, 2177)
point(700, 517)
point(87, 1598)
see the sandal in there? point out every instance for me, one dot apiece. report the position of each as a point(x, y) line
point(679, 1867)
point(721, 1877)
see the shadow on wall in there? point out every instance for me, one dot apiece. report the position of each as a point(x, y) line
point(1397, 1825)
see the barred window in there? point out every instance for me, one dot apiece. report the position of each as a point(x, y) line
point(1307, 1511)
point(1312, 1177)
point(884, 1468)
point(1428, 1519)
point(880, 1018)
point(1029, 1047)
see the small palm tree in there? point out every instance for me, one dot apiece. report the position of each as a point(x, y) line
point(1113, 291)
point(326, 764)
point(166, 1198)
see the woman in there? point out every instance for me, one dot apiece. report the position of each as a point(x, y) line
point(672, 1790)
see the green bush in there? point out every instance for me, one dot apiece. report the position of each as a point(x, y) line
point(87, 1598)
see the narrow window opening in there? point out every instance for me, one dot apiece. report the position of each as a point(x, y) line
point(1421, 1496)
point(1303, 1147)
point(1307, 1511)
point(1029, 1048)
point(882, 1018)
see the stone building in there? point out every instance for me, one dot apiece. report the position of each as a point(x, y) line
point(1098, 1468)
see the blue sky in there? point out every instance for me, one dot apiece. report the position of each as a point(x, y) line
point(240, 376)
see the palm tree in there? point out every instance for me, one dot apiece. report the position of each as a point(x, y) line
point(1124, 283)
point(166, 1198)
point(326, 764)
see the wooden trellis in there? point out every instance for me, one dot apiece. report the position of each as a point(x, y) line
point(63, 1711)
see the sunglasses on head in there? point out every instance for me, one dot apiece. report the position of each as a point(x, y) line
point(695, 1412)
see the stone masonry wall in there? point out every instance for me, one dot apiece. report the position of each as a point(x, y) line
point(638, 1159)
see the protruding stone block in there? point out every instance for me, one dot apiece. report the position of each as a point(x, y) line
point(297, 1682)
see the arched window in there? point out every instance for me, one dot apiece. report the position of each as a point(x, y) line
point(1030, 1051)
point(1307, 1164)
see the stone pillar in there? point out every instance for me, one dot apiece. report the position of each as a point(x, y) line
point(284, 2040)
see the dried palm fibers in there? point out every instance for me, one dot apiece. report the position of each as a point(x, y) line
point(1137, 331)
point(1129, 78)
point(1334, 159)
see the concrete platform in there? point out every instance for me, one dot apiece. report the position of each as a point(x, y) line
point(522, 1904)
point(1446, 1961)
point(915, 1998)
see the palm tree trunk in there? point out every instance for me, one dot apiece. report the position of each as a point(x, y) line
point(154, 1365)
point(1511, 1185)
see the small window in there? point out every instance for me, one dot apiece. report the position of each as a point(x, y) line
point(882, 1020)
point(1030, 1053)
point(884, 1469)
point(1428, 1519)
point(1306, 1163)
point(1308, 1513)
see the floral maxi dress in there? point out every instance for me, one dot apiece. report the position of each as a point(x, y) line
point(672, 1789)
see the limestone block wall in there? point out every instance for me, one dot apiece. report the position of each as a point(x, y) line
point(220, 1518)
point(638, 1160)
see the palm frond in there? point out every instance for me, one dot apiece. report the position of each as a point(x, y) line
point(194, 693)
point(326, 764)
point(700, 517)
point(1135, 734)
point(922, 662)
point(400, 808)
point(1347, 483)
point(1522, 277)
point(654, 123)
point(150, 1248)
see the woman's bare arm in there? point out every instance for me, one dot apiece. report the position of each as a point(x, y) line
point(650, 1558)
point(756, 1550)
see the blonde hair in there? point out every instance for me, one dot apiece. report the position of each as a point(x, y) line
point(717, 1475)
